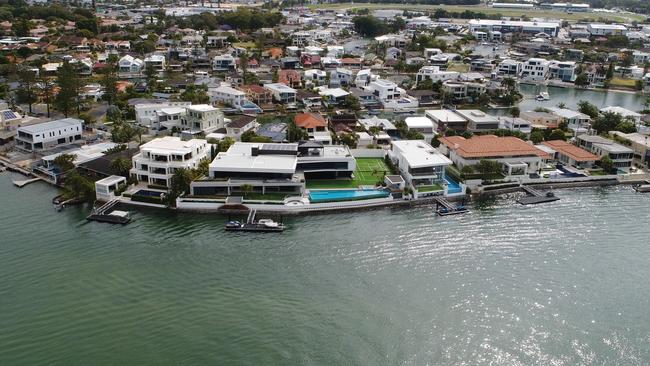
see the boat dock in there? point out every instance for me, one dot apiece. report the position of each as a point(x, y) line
point(255, 226)
point(446, 208)
point(533, 196)
point(22, 183)
point(105, 213)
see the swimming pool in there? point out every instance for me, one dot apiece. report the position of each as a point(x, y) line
point(147, 193)
point(452, 185)
point(337, 195)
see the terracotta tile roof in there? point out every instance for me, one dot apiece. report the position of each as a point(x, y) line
point(491, 146)
point(254, 89)
point(288, 76)
point(310, 120)
point(570, 150)
point(275, 52)
point(350, 60)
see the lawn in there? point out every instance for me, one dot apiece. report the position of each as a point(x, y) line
point(369, 171)
point(624, 83)
point(538, 13)
point(431, 188)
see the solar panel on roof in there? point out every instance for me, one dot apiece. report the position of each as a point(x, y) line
point(279, 147)
point(9, 115)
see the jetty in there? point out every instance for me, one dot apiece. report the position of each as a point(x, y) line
point(446, 208)
point(263, 225)
point(105, 213)
point(22, 183)
point(533, 196)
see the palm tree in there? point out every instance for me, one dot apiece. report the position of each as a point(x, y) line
point(120, 166)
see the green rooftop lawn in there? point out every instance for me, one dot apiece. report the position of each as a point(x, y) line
point(369, 172)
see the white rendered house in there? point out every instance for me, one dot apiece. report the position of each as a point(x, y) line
point(420, 164)
point(202, 118)
point(159, 159)
point(47, 135)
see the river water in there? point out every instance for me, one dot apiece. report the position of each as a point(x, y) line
point(571, 97)
point(564, 283)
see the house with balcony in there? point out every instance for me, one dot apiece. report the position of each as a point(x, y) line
point(223, 63)
point(315, 77)
point(49, 135)
point(130, 65)
point(227, 95)
point(364, 77)
point(252, 168)
point(159, 159)
point(509, 68)
point(577, 122)
point(157, 62)
point(434, 74)
point(515, 124)
point(620, 155)
point(479, 121)
point(421, 166)
point(390, 95)
point(257, 94)
point(158, 115)
point(534, 69)
point(341, 77)
point(444, 119)
point(562, 70)
point(202, 119)
point(319, 161)
point(281, 93)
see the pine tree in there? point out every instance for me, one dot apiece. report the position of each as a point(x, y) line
point(67, 96)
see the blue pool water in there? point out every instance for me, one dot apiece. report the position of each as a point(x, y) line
point(146, 193)
point(452, 185)
point(345, 195)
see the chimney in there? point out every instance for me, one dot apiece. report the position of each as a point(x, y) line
point(255, 150)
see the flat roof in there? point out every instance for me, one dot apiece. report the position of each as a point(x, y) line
point(279, 87)
point(418, 122)
point(51, 125)
point(476, 115)
point(170, 144)
point(419, 154)
point(239, 158)
point(201, 107)
point(444, 115)
point(111, 180)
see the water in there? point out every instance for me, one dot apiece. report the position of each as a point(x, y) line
point(564, 283)
point(345, 194)
point(571, 97)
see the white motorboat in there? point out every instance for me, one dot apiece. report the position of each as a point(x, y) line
point(543, 96)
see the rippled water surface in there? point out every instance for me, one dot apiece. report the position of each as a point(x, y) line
point(564, 283)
